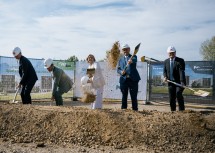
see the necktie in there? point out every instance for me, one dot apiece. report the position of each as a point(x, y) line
point(126, 59)
point(171, 70)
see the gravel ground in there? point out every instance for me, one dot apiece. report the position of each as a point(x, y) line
point(44, 128)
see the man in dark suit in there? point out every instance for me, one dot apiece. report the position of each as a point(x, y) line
point(62, 82)
point(174, 70)
point(28, 76)
point(129, 77)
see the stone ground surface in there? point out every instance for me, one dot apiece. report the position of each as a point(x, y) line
point(74, 127)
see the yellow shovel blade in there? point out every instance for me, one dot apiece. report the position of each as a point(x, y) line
point(201, 93)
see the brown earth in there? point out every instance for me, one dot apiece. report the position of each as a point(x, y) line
point(36, 128)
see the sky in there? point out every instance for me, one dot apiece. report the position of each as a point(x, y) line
point(60, 29)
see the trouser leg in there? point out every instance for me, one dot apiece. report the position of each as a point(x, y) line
point(172, 97)
point(58, 98)
point(23, 95)
point(124, 90)
point(26, 93)
point(180, 98)
point(133, 88)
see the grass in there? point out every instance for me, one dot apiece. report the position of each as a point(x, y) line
point(45, 95)
point(164, 90)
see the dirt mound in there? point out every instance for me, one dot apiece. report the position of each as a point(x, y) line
point(158, 131)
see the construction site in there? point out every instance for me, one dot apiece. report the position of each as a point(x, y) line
point(74, 127)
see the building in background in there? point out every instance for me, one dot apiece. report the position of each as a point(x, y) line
point(9, 74)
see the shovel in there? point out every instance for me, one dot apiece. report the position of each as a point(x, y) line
point(135, 52)
point(201, 93)
point(14, 99)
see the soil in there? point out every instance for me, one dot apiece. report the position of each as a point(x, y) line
point(41, 128)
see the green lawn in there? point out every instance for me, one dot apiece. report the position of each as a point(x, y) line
point(45, 95)
point(162, 89)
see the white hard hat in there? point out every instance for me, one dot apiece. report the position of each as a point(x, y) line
point(125, 46)
point(84, 80)
point(48, 62)
point(171, 49)
point(16, 51)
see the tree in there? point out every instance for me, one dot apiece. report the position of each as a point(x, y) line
point(207, 49)
point(72, 59)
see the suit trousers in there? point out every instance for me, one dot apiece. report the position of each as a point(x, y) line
point(58, 97)
point(132, 87)
point(176, 92)
point(26, 92)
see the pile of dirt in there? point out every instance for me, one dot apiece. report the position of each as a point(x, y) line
point(187, 131)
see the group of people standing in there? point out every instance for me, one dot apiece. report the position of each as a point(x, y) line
point(174, 70)
point(62, 82)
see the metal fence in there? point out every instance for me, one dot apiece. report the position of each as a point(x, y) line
point(200, 75)
point(9, 77)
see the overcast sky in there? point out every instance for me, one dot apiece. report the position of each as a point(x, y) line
point(62, 28)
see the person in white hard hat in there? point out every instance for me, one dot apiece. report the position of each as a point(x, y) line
point(97, 81)
point(129, 77)
point(28, 76)
point(174, 70)
point(62, 82)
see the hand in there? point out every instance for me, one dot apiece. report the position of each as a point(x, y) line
point(123, 72)
point(52, 98)
point(129, 61)
point(165, 79)
point(19, 86)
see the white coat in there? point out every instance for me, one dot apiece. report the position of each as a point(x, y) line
point(98, 79)
point(98, 84)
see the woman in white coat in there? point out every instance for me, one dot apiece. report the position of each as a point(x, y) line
point(97, 81)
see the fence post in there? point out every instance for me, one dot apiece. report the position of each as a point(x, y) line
point(74, 98)
point(148, 94)
point(213, 88)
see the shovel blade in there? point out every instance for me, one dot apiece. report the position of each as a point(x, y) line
point(13, 102)
point(136, 49)
point(201, 93)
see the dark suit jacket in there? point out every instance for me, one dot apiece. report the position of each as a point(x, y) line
point(178, 70)
point(62, 81)
point(131, 71)
point(26, 71)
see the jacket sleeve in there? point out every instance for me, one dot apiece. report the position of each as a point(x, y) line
point(24, 70)
point(165, 70)
point(98, 79)
point(134, 59)
point(57, 76)
point(182, 71)
point(119, 67)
